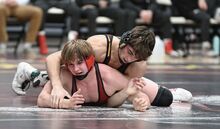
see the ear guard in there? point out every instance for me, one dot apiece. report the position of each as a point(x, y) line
point(124, 39)
point(90, 62)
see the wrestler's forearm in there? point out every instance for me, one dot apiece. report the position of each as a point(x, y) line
point(53, 63)
point(45, 102)
point(117, 99)
point(137, 69)
point(44, 98)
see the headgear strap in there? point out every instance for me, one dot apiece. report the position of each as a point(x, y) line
point(90, 62)
point(125, 38)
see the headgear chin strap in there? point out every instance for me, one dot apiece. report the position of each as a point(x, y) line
point(89, 63)
point(126, 36)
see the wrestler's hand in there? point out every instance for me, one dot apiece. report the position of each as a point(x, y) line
point(74, 102)
point(59, 92)
point(141, 104)
point(77, 100)
point(55, 102)
point(135, 85)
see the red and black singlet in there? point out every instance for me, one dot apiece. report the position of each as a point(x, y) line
point(102, 96)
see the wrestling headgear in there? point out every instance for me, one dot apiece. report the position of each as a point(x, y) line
point(90, 62)
point(125, 39)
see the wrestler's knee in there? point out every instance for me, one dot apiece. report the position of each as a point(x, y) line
point(167, 98)
point(164, 98)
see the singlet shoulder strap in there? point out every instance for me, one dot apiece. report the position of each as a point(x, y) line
point(103, 97)
point(74, 87)
point(109, 39)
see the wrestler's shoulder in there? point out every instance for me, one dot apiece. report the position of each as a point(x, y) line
point(105, 68)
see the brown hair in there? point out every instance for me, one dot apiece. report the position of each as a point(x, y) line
point(73, 49)
point(142, 40)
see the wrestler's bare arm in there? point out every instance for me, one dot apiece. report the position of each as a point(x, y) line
point(129, 91)
point(133, 93)
point(118, 86)
point(45, 99)
point(137, 69)
point(113, 82)
point(53, 63)
point(140, 101)
point(117, 99)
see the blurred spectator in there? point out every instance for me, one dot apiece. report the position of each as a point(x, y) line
point(213, 7)
point(149, 12)
point(91, 9)
point(69, 7)
point(197, 11)
point(23, 12)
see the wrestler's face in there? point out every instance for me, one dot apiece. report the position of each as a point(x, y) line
point(127, 54)
point(78, 67)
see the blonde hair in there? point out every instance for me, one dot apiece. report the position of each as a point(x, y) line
point(76, 49)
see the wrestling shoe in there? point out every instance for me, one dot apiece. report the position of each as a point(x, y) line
point(22, 78)
point(39, 79)
point(182, 95)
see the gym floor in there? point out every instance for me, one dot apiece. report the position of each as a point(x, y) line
point(197, 74)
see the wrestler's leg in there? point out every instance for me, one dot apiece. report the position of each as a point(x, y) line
point(164, 98)
point(179, 94)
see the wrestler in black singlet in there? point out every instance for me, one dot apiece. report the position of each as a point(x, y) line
point(163, 98)
point(109, 39)
point(102, 97)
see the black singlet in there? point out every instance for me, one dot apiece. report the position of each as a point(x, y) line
point(109, 39)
